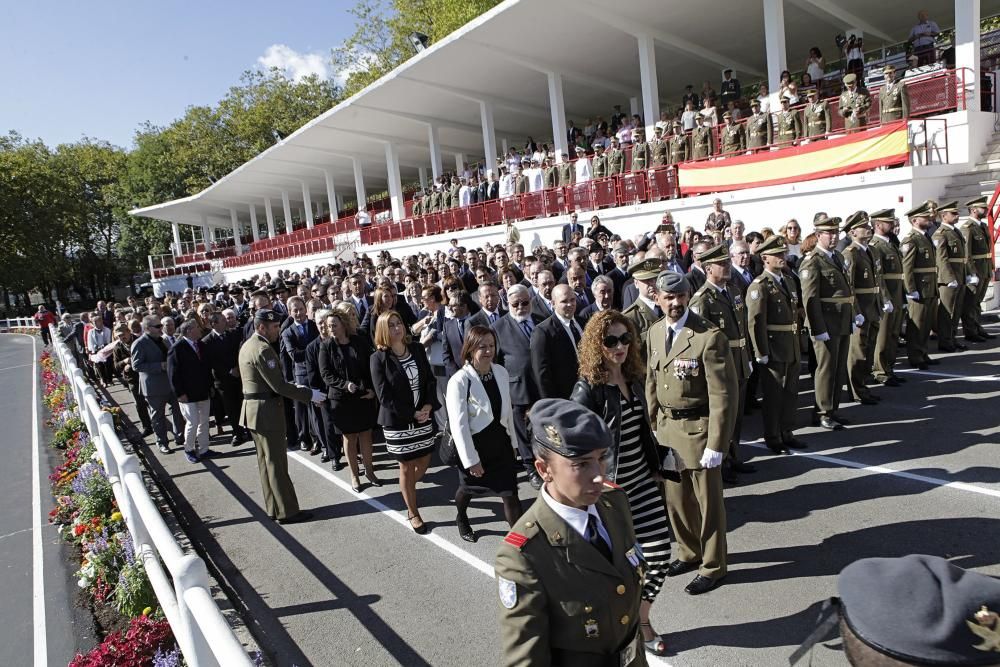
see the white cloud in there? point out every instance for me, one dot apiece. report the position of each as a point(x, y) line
point(358, 62)
point(295, 65)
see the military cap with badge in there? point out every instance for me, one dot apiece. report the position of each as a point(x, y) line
point(647, 269)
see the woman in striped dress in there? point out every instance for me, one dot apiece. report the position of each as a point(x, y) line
point(612, 384)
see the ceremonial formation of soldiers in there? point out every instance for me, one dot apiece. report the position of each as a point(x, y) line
point(607, 150)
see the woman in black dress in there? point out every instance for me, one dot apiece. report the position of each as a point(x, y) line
point(344, 365)
point(482, 425)
point(407, 397)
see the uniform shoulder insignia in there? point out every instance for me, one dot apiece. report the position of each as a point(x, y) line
point(612, 485)
point(695, 309)
point(516, 540)
point(755, 293)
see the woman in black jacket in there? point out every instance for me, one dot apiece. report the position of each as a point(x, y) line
point(407, 397)
point(611, 384)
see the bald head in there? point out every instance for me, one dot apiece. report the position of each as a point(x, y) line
point(564, 301)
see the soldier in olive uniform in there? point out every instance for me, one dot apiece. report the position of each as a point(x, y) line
point(787, 125)
point(566, 174)
point(772, 307)
point(733, 139)
point(263, 414)
point(521, 181)
point(888, 262)
point(434, 202)
point(679, 150)
point(854, 104)
point(894, 98)
point(976, 232)
point(616, 158)
point(453, 197)
point(701, 139)
point(952, 276)
point(417, 206)
point(658, 149)
point(816, 117)
point(760, 130)
point(599, 163)
point(549, 174)
point(570, 572)
point(866, 280)
point(640, 151)
point(829, 305)
point(919, 286)
point(690, 376)
point(725, 309)
point(644, 310)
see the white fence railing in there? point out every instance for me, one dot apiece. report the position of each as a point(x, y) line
point(204, 636)
point(17, 323)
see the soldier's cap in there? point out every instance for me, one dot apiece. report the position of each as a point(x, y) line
point(921, 609)
point(581, 149)
point(883, 215)
point(597, 145)
point(677, 123)
point(949, 207)
point(266, 315)
point(850, 78)
point(825, 224)
point(821, 215)
point(673, 282)
point(534, 160)
point(718, 254)
point(567, 428)
point(614, 140)
point(657, 128)
point(526, 160)
point(754, 103)
point(785, 100)
point(772, 245)
point(639, 130)
point(647, 269)
point(812, 92)
point(235, 289)
point(978, 202)
point(854, 220)
point(889, 68)
point(699, 117)
point(728, 114)
point(728, 69)
point(665, 227)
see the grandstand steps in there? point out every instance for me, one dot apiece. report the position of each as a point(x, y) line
point(980, 179)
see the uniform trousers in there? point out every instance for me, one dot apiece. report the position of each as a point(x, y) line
point(860, 357)
point(920, 318)
point(831, 373)
point(887, 343)
point(972, 306)
point(950, 301)
point(280, 501)
point(779, 382)
point(698, 516)
point(734, 443)
point(158, 417)
point(196, 434)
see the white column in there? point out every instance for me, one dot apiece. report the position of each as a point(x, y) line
point(557, 107)
point(633, 106)
point(505, 146)
point(340, 202)
point(774, 42)
point(435, 146)
point(269, 212)
point(176, 229)
point(359, 185)
point(489, 135)
point(254, 227)
point(967, 14)
point(459, 163)
point(422, 175)
point(237, 232)
point(395, 186)
point(331, 196)
point(307, 205)
point(206, 232)
point(302, 214)
point(650, 87)
point(286, 208)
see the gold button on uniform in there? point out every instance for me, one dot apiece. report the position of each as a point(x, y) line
point(528, 524)
point(621, 589)
point(625, 619)
point(588, 609)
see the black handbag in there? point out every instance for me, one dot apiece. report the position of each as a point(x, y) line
point(448, 451)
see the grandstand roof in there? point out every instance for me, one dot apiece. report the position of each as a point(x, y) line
point(502, 57)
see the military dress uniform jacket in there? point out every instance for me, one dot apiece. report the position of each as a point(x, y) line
point(642, 317)
point(566, 173)
point(640, 156)
point(950, 255)
point(889, 264)
point(826, 294)
point(616, 161)
point(562, 603)
point(733, 139)
point(772, 316)
point(977, 245)
point(866, 281)
point(550, 177)
point(599, 163)
point(686, 384)
point(679, 149)
point(853, 108)
point(816, 119)
point(658, 149)
point(263, 383)
point(701, 141)
point(894, 102)
point(730, 316)
point(760, 130)
point(788, 127)
point(919, 265)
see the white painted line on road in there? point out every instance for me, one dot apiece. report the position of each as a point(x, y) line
point(10, 368)
point(38, 571)
point(16, 532)
point(953, 376)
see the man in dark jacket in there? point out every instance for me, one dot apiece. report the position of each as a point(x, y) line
point(190, 376)
point(294, 340)
point(553, 346)
point(222, 345)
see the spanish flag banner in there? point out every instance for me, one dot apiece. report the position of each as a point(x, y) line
point(882, 146)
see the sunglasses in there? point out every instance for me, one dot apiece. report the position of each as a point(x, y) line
point(155, 326)
point(518, 304)
point(612, 342)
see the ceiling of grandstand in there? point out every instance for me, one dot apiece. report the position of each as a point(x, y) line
point(503, 56)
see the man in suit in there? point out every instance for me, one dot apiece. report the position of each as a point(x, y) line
point(740, 274)
point(490, 308)
point(454, 331)
point(222, 348)
point(190, 376)
point(294, 340)
point(603, 290)
point(513, 332)
point(576, 278)
point(570, 228)
point(541, 301)
point(619, 274)
point(553, 346)
point(696, 274)
point(149, 359)
point(359, 295)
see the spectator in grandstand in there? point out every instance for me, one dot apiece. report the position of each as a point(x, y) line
point(792, 232)
point(815, 65)
point(730, 88)
point(690, 96)
point(688, 116)
point(709, 112)
point(707, 92)
point(922, 38)
point(791, 93)
point(764, 98)
point(718, 219)
point(854, 56)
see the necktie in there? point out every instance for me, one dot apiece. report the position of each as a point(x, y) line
point(493, 318)
point(595, 539)
point(670, 338)
point(576, 335)
point(302, 330)
point(197, 348)
point(461, 330)
point(725, 295)
point(526, 328)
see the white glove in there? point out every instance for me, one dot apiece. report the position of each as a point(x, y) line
point(822, 338)
point(711, 459)
point(318, 396)
point(762, 361)
point(971, 280)
point(888, 307)
point(859, 320)
point(953, 284)
point(913, 296)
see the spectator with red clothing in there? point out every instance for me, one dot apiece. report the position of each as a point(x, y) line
point(44, 317)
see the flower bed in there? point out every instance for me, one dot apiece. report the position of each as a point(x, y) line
point(86, 515)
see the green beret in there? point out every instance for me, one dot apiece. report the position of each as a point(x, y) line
point(950, 207)
point(647, 269)
point(883, 215)
point(567, 428)
point(266, 315)
point(715, 255)
point(673, 282)
point(772, 245)
point(855, 220)
point(978, 202)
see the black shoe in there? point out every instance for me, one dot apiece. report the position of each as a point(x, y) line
point(975, 338)
point(729, 476)
point(891, 381)
point(236, 441)
point(338, 465)
point(777, 447)
point(700, 585)
point(304, 447)
point(960, 347)
point(534, 480)
point(419, 530)
point(679, 567)
point(315, 450)
point(164, 449)
point(830, 424)
point(987, 335)
point(899, 379)
point(932, 362)
point(465, 530)
point(843, 420)
point(373, 480)
point(791, 442)
point(324, 459)
point(303, 515)
point(868, 400)
point(146, 432)
point(744, 468)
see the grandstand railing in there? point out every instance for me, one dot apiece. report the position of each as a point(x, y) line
point(17, 323)
point(180, 580)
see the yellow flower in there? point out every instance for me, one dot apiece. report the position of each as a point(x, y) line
point(116, 516)
point(147, 611)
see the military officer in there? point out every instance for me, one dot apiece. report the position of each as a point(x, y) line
point(760, 130)
point(816, 116)
point(616, 158)
point(894, 98)
point(725, 309)
point(919, 286)
point(644, 310)
point(701, 139)
point(570, 571)
point(549, 175)
point(599, 163)
point(417, 207)
point(866, 281)
point(952, 277)
point(565, 172)
point(976, 233)
point(889, 263)
point(733, 139)
point(788, 127)
point(679, 150)
point(772, 318)
point(854, 104)
point(433, 200)
point(830, 315)
point(658, 148)
point(453, 197)
point(521, 180)
point(690, 376)
point(640, 150)
point(264, 415)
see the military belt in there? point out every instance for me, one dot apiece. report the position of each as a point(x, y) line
point(837, 299)
point(957, 260)
point(982, 256)
point(259, 396)
point(892, 276)
point(866, 290)
point(623, 657)
point(738, 343)
point(790, 328)
point(893, 109)
point(685, 413)
point(928, 270)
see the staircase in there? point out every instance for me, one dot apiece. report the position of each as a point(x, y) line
point(981, 179)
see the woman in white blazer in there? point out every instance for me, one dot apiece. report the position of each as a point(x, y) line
point(482, 426)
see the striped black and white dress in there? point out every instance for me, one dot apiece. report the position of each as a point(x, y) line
point(649, 507)
point(415, 440)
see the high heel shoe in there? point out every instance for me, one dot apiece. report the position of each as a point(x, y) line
point(465, 530)
point(373, 480)
point(657, 645)
point(356, 485)
point(419, 530)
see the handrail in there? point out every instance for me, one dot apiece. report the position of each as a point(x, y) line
point(182, 588)
point(18, 322)
point(991, 219)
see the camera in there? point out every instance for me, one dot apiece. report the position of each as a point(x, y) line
point(840, 41)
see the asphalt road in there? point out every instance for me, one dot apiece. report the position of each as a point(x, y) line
point(66, 628)
point(916, 474)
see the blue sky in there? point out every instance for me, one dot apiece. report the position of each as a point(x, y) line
point(99, 68)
